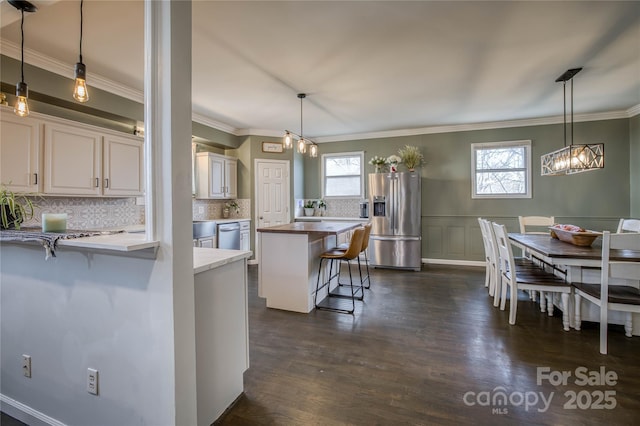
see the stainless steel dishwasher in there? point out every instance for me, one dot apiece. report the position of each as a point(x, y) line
point(229, 236)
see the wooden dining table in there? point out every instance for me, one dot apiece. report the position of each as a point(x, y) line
point(582, 264)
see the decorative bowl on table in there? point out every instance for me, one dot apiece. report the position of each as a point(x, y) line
point(574, 235)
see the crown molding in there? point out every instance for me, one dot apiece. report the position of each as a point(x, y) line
point(207, 121)
point(633, 111)
point(475, 126)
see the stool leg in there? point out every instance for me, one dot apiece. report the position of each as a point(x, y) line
point(353, 299)
point(315, 296)
point(366, 263)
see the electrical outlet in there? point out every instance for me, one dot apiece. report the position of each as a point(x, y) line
point(26, 365)
point(92, 381)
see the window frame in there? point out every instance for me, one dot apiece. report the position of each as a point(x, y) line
point(526, 144)
point(324, 177)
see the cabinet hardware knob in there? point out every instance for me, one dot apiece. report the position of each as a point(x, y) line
point(36, 178)
point(106, 182)
point(97, 182)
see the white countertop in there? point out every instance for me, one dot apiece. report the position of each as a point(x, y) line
point(123, 241)
point(209, 258)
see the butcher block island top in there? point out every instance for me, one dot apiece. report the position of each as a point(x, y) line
point(322, 228)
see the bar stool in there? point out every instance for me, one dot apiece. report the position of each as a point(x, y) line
point(365, 246)
point(352, 252)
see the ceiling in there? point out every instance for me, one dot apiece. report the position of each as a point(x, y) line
point(367, 66)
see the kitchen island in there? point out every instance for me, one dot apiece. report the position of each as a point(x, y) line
point(289, 260)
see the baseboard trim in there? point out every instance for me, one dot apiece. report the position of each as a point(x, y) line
point(26, 414)
point(454, 262)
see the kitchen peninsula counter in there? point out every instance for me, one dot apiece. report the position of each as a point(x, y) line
point(289, 261)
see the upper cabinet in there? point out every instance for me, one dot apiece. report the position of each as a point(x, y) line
point(20, 153)
point(80, 161)
point(217, 176)
point(60, 157)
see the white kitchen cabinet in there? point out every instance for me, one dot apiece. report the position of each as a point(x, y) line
point(82, 161)
point(73, 160)
point(123, 165)
point(20, 153)
point(217, 176)
point(245, 235)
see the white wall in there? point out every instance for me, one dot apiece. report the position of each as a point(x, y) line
point(83, 310)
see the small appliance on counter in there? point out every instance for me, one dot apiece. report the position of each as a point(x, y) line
point(364, 209)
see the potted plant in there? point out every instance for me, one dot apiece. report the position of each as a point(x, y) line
point(15, 208)
point(322, 205)
point(226, 211)
point(411, 157)
point(309, 208)
point(379, 163)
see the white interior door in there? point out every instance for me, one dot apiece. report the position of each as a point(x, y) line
point(272, 195)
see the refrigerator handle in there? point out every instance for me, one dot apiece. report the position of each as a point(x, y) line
point(394, 186)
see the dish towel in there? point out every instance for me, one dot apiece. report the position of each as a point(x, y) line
point(49, 240)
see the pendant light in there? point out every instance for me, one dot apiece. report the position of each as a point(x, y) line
point(80, 92)
point(574, 158)
point(22, 90)
point(302, 142)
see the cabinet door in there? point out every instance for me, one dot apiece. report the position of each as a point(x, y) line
point(245, 240)
point(123, 166)
point(216, 177)
point(72, 160)
point(20, 148)
point(231, 178)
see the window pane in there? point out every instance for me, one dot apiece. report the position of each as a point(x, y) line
point(342, 166)
point(500, 158)
point(500, 183)
point(342, 186)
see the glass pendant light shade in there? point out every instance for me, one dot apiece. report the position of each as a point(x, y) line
point(313, 150)
point(302, 146)
point(288, 140)
point(80, 92)
point(22, 106)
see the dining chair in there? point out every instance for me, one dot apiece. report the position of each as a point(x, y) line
point(488, 278)
point(515, 278)
point(537, 222)
point(618, 285)
point(628, 225)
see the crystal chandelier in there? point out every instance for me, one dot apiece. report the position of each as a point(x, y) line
point(574, 158)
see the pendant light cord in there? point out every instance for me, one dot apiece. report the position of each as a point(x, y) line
point(564, 108)
point(81, 21)
point(301, 131)
point(22, 49)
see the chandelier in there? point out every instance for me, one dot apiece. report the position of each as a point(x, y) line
point(574, 158)
point(302, 142)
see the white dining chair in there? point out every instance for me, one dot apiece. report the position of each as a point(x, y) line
point(618, 285)
point(535, 222)
point(513, 278)
point(487, 260)
point(491, 255)
point(628, 225)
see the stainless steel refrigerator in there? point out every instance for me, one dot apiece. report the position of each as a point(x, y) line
point(395, 211)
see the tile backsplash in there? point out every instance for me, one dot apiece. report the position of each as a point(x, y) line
point(340, 207)
point(90, 213)
point(212, 209)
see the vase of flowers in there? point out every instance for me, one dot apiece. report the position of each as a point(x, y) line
point(411, 157)
point(379, 163)
point(393, 161)
point(322, 206)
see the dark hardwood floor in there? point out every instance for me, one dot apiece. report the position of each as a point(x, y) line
point(418, 344)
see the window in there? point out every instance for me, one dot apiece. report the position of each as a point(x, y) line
point(501, 169)
point(342, 175)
